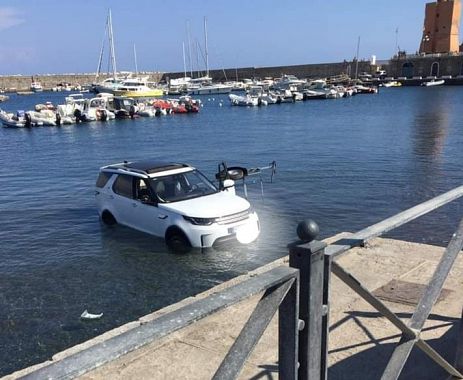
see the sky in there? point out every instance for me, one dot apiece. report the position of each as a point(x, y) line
point(65, 36)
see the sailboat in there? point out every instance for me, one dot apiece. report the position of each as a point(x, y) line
point(109, 84)
point(204, 85)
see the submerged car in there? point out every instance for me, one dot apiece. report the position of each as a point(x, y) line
point(174, 201)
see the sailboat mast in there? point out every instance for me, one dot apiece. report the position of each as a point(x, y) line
point(100, 60)
point(357, 59)
point(205, 46)
point(189, 46)
point(135, 57)
point(198, 50)
point(184, 62)
point(111, 39)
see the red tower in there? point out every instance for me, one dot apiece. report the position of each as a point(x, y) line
point(441, 27)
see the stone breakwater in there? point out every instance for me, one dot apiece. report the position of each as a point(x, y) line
point(48, 81)
point(317, 70)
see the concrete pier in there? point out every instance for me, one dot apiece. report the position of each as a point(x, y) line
point(360, 341)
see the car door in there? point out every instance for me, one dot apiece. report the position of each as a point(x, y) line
point(149, 217)
point(123, 200)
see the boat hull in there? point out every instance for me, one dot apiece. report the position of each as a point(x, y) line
point(210, 90)
point(139, 94)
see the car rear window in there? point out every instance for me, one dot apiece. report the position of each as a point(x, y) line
point(123, 186)
point(103, 179)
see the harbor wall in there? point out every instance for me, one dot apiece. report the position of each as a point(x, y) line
point(48, 81)
point(399, 66)
point(316, 70)
point(438, 65)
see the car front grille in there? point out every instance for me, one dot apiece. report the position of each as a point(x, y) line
point(233, 218)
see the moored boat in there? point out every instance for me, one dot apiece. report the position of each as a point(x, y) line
point(137, 88)
point(245, 100)
point(433, 83)
point(36, 86)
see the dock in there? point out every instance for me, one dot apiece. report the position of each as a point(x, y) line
point(361, 341)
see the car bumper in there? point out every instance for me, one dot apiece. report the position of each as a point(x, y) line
point(244, 232)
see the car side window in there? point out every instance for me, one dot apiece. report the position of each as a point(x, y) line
point(123, 185)
point(103, 179)
point(142, 192)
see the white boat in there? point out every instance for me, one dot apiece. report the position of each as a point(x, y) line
point(288, 82)
point(245, 100)
point(96, 109)
point(205, 86)
point(10, 120)
point(18, 120)
point(285, 96)
point(392, 83)
point(137, 88)
point(36, 86)
point(433, 83)
point(263, 97)
point(44, 117)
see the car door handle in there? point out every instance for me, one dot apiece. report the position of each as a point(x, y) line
point(162, 216)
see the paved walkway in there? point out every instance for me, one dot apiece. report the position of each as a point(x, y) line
point(360, 341)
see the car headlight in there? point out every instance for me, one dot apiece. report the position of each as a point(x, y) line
point(199, 221)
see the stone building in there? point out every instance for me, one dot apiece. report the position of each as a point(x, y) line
point(441, 27)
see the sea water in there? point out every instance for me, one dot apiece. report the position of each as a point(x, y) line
point(345, 163)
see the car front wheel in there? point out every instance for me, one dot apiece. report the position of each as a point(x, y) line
point(108, 218)
point(177, 241)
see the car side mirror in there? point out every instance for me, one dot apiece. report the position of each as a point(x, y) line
point(229, 186)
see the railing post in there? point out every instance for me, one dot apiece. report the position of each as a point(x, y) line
point(308, 255)
point(288, 334)
point(459, 350)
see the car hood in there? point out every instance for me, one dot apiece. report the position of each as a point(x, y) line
point(209, 206)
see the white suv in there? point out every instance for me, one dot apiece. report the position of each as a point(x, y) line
point(173, 201)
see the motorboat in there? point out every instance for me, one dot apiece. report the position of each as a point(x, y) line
point(145, 110)
point(209, 89)
point(314, 94)
point(122, 107)
point(361, 89)
point(205, 86)
point(95, 109)
point(18, 120)
point(392, 84)
point(285, 96)
point(243, 100)
point(433, 82)
point(137, 88)
point(288, 82)
point(44, 117)
point(36, 86)
point(263, 97)
point(71, 111)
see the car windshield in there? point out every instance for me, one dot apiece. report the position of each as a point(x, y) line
point(182, 186)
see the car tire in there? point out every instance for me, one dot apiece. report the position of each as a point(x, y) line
point(108, 218)
point(177, 241)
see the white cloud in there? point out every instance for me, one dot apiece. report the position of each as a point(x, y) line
point(9, 17)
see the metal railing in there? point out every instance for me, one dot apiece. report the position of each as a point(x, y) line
point(316, 261)
point(300, 294)
point(281, 290)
